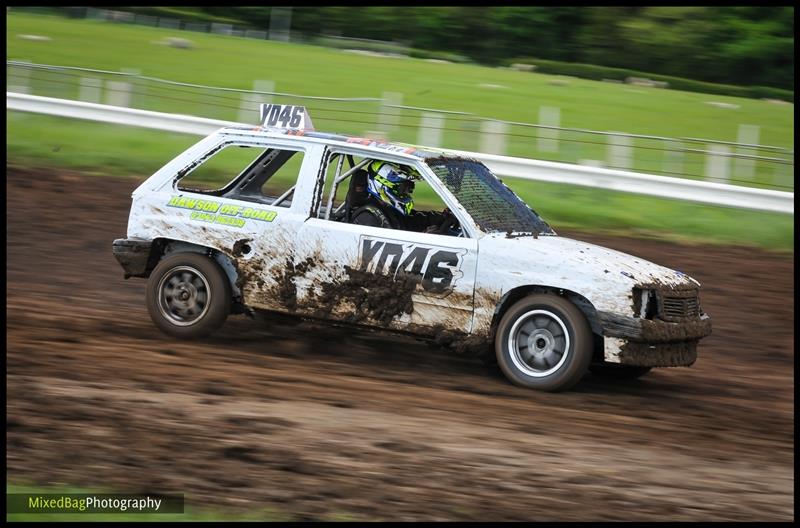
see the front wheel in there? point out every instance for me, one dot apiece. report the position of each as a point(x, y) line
point(544, 342)
point(188, 295)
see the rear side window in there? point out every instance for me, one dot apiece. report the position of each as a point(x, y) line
point(220, 168)
point(246, 172)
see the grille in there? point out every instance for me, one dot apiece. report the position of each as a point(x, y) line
point(680, 308)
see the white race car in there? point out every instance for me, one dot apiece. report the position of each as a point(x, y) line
point(277, 235)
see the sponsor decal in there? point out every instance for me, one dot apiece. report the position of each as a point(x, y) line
point(382, 145)
point(436, 268)
point(221, 213)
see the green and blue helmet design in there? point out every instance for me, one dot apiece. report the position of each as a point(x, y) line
point(391, 186)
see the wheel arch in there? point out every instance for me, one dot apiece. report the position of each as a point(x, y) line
point(582, 303)
point(162, 247)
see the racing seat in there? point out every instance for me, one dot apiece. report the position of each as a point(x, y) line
point(356, 194)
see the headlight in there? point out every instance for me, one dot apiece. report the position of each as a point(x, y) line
point(645, 303)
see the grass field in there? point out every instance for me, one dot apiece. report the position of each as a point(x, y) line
point(490, 92)
point(236, 62)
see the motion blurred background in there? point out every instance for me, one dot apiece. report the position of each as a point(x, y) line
point(698, 93)
point(690, 92)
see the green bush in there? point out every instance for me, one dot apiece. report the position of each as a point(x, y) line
point(385, 47)
point(188, 14)
point(440, 55)
point(598, 73)
point(361, 44)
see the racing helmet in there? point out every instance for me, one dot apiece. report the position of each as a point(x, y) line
point(391, 186)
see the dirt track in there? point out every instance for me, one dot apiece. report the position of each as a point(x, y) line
point(325, 424)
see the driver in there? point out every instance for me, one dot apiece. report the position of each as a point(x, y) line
point(390, 204)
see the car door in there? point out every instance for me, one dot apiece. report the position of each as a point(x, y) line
point(389, 278)
point(265, 259)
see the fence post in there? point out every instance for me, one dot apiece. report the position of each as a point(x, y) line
point(717, 163)
point(280, 22)
point(91, 89)
point(493, 139)
point(745, 168)
point(430, 129)
point(388, 118)
point(619, 151)
point(20, 79)
point(549, 116)
point(248, 109)
point(118, 93)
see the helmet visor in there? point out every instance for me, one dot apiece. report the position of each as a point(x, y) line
point(404, 188)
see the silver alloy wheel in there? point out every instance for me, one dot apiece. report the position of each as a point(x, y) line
point(539, 343)
point(183, 295)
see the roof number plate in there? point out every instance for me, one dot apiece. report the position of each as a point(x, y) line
point(285, 116)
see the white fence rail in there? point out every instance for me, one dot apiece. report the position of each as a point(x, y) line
point(744, 162)
point(505, 166)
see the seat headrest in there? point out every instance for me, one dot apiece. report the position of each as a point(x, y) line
point(357, 193)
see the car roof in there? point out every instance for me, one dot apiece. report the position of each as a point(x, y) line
point(413, 151)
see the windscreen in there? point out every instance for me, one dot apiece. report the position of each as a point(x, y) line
point(492, 205)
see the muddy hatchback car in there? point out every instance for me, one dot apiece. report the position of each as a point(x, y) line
point(261, 218)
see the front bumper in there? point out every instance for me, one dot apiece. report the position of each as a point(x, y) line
point(652, 342)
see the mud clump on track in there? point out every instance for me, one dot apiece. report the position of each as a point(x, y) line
point(325, 423)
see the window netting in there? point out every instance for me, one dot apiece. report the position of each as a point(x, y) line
point(492, 205)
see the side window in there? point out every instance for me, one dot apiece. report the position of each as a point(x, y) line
point(246, 172)
point(280, 177)
point(345, 193)
point(219, 169)
point(426, 199)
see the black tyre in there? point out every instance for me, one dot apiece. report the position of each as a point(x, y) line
point(544, 342)
point(188, 295)
point(618, 372)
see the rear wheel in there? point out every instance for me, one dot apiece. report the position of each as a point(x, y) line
point(619, 372)
point(188, 295)
point(544, 342)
